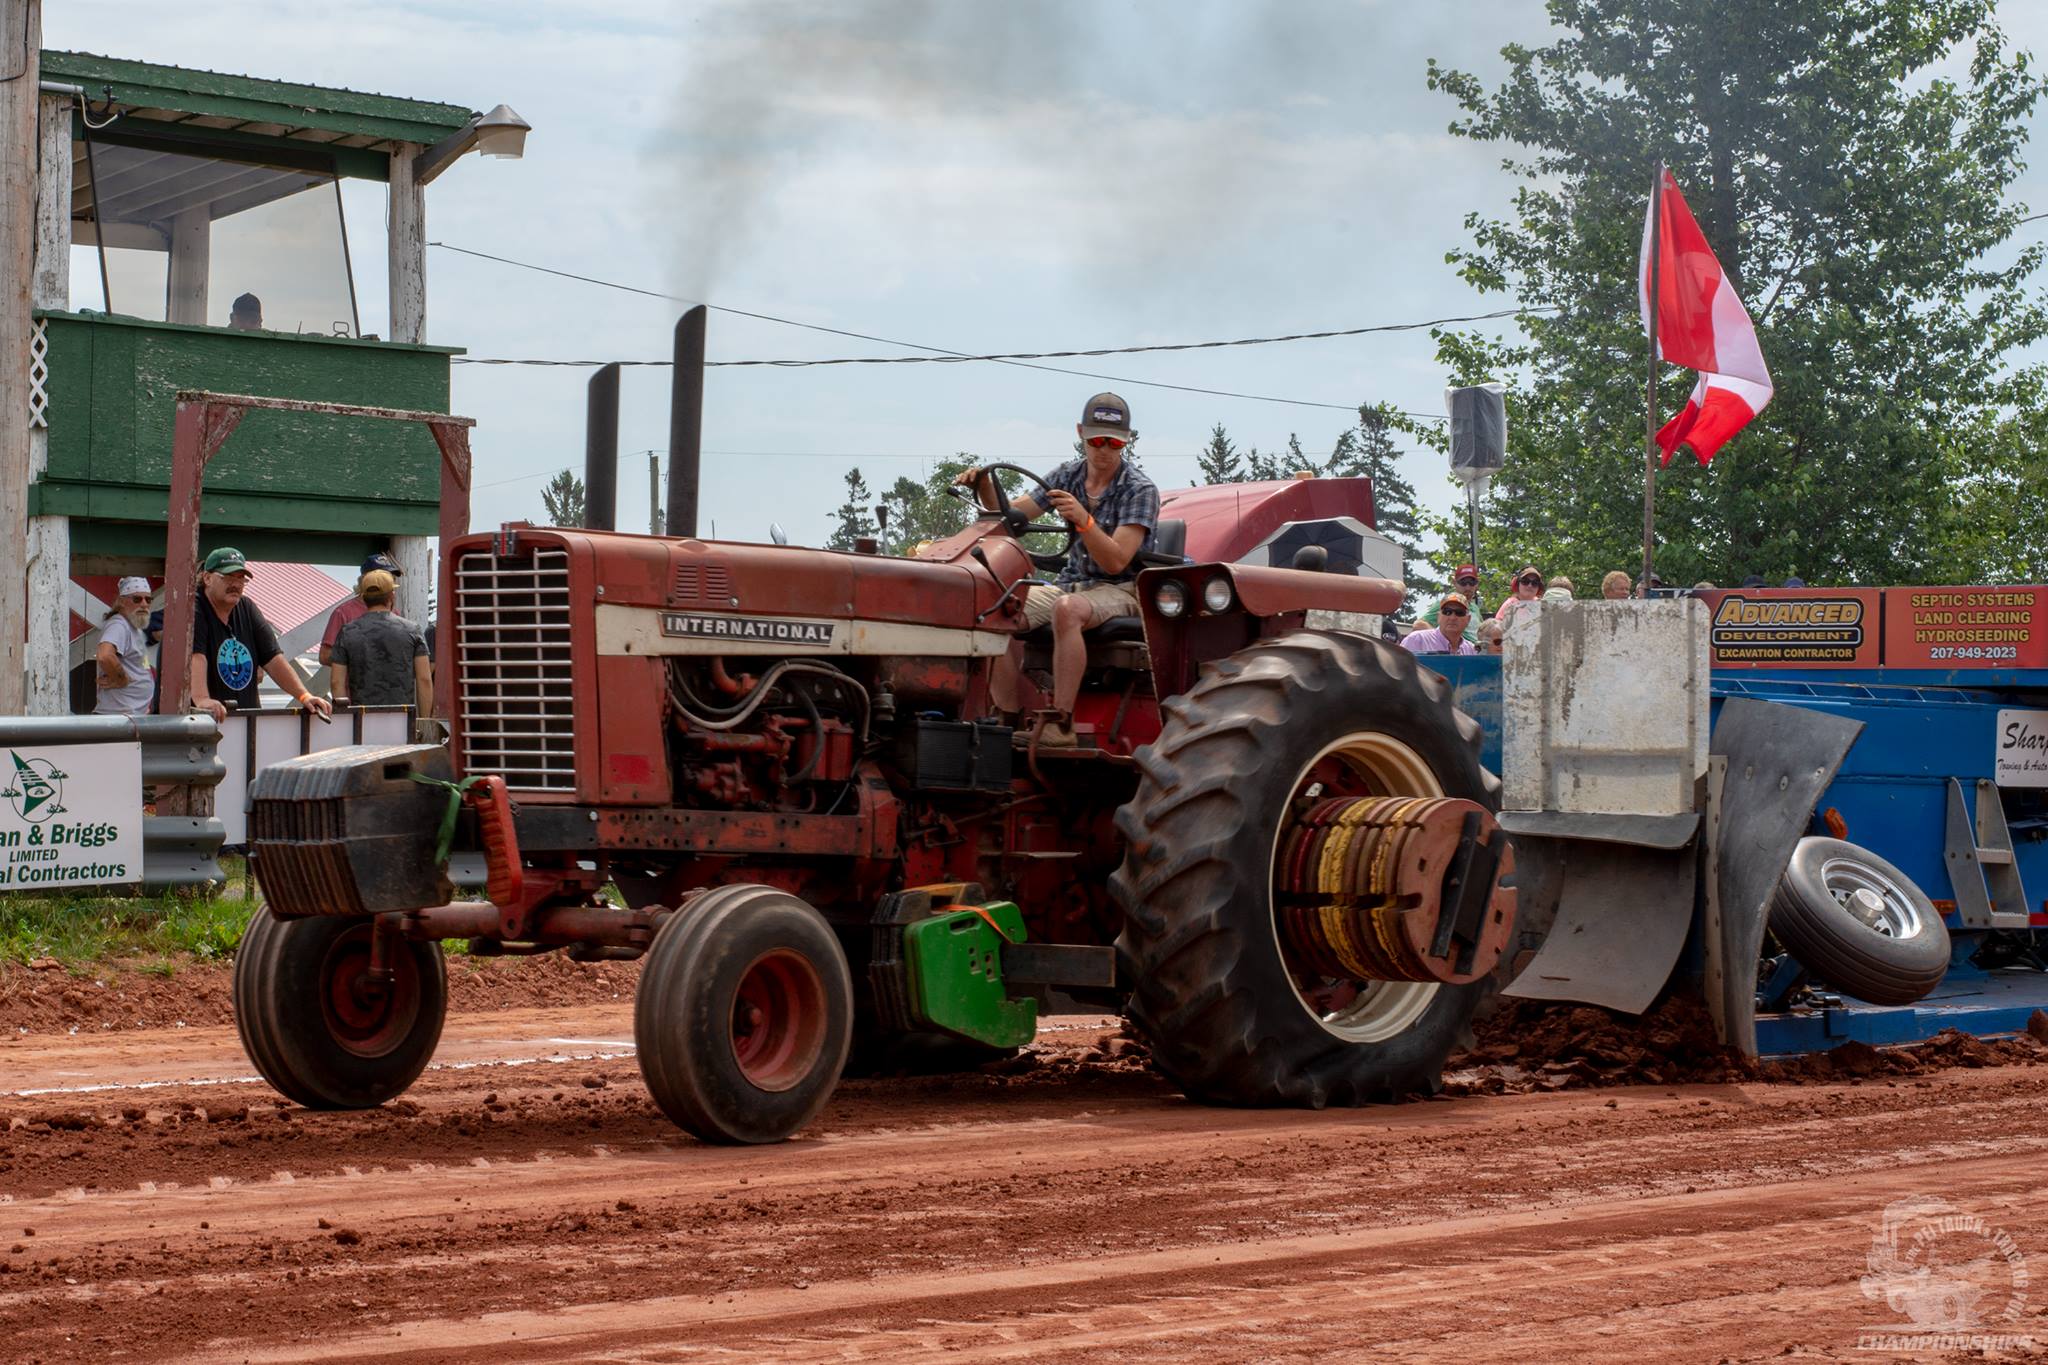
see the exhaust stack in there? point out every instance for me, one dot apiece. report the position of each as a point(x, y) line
point(686, 422)
point(601, 452)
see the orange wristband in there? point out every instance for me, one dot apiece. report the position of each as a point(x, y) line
point(1085, 529)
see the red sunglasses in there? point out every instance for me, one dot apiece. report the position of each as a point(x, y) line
point(1106, 442)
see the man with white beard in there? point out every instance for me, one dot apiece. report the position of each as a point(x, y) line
point(124, 678)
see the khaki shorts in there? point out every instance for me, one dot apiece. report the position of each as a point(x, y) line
point(1106, 601)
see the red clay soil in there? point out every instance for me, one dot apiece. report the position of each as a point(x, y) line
point(116, 996)
point(1527, 1046)
point(525, 1201)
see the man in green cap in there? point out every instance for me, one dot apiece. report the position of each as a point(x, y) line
point(231, 640)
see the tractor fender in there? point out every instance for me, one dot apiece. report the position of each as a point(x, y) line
point(1263, 601)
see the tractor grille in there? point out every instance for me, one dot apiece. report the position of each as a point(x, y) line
point(512, 636)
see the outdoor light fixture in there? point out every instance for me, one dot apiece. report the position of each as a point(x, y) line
point(500, 133)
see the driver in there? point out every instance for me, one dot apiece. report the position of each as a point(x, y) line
point(1113, 509)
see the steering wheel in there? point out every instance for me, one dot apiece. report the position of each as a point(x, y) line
point(1014, 521)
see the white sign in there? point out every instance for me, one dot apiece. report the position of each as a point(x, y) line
point(70, 815)
point(2020, 756)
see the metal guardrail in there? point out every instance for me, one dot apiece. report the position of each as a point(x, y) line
point(178, 752)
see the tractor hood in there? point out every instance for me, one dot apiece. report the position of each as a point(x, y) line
point(686, 596)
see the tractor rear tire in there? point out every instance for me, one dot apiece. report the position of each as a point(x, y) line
point(312, 1030)
point(1894, 957)
point(1212, 991)
point(743, 1016)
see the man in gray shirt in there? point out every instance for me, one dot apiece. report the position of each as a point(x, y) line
point(380, 659)
point(125, 684)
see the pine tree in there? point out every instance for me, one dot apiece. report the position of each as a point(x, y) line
point(563, 499)
point(1296, 460)
point(1219, 460)
point(855, 518)
point(1368, 450)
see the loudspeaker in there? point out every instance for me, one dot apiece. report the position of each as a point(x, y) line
point(1479, 430)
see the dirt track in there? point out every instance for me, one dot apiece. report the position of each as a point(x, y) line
point(527, 1203)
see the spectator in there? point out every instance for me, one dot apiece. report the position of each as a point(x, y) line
point(231, 640)
point(247, 314)
point(1452, 614)
point(1560, 590)
point(1614, 587)
point(1528, 588)
point(1703, 586)
point(380, 658)
point(126, 683)
point(1795, 582)
point(1492, 637)
point(1755, 580)
point(351, 608)
point(1649, 587)
point(1465, 582)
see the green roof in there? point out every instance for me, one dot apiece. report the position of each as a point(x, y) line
point(252, 106)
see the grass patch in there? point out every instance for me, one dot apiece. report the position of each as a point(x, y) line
point(82, 929)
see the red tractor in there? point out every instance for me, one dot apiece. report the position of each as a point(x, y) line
point(1275, 849)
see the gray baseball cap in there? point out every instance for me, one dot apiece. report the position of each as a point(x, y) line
point(1106, 415)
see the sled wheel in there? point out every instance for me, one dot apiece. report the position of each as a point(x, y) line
point(1859, 924)
point(743, 1015)
point(319, 1027)
point(1233, 1014)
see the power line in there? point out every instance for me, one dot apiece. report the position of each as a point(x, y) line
point(853, 456)
point(944, 356)
point(954, 358)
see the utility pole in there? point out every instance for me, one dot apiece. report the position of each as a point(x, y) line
point(21, 25)
point(653, 492)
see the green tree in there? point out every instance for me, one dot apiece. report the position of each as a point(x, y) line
point(563, 499)
point(1370, 451)
point(855, 518)
point(1219, 460)
point(917, 510)
point(1856, 195)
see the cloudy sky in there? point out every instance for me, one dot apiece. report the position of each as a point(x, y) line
point(1029, 176)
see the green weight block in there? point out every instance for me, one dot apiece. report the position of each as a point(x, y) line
point(955, 965)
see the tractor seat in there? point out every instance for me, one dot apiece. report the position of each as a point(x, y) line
point(1169, 544)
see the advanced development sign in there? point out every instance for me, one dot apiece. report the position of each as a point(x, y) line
point(70, 815)
point(1777, 628)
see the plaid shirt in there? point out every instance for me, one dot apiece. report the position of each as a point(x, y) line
point(1130, 500)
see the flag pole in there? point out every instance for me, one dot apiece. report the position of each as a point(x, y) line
point(1650, 451)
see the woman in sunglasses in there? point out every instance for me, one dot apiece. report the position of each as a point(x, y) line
point(1447, 636)
point(1528, 589)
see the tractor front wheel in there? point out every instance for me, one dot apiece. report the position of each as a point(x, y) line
point(321, 1025)
point(743, 1015)
point(1295, 798)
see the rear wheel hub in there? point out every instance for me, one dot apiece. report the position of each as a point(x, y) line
point(1379, 888)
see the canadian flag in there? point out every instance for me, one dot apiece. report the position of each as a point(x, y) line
point(1700, 324)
